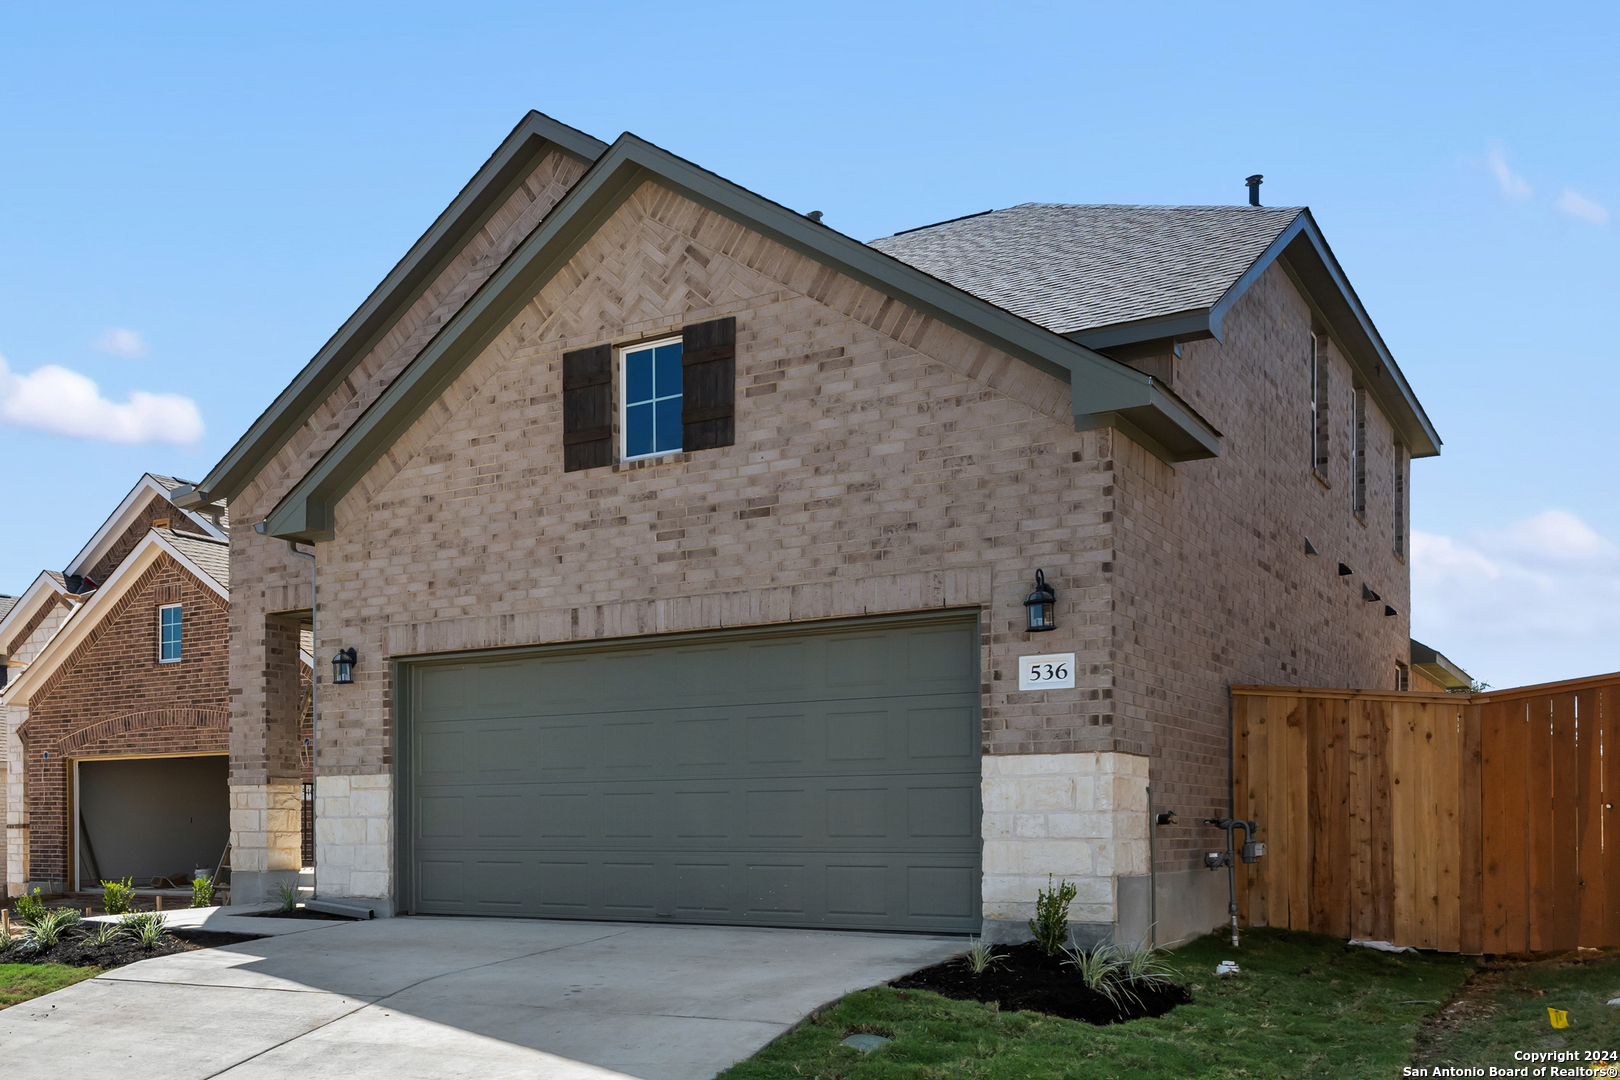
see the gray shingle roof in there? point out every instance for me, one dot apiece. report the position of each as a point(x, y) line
point(213, 557)
point(6, 604)
point(1072, 268)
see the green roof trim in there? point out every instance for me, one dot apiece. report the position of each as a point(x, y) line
point(516, 157)
point(1101, 387)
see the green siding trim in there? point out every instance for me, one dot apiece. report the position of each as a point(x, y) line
point(450, 233)
point(1098, 383)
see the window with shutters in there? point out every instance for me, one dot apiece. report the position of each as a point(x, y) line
point(651, 414)
point(674, 394)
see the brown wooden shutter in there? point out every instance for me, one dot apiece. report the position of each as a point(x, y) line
point(587, 408)
point(709, 384)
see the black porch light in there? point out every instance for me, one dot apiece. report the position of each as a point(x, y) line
point(343, 667)
point(1041, 606)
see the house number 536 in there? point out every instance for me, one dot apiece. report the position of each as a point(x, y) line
point(1051, 672)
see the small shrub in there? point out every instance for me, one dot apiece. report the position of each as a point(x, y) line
point(1051, 922)
point(146, 927)
point(28, 908)
point(104, 934)
point(981, 956)
point(1144, 967)
point(286, 896)
point(1101, 969)
point(50, 928)
point(202, 892)
point(116, 896)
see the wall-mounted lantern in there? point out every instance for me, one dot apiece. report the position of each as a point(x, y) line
point(343, 667)
point(1041, 607)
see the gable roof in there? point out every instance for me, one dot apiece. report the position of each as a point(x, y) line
point(46, 588)
point(6, 604)
point(139, 497)
point(212, 557)
point(1076, 268)
point(1108, 276)
point(1104, 392)
point(84, 619)
point(535, 136)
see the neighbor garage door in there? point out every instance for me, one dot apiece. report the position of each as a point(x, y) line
point(774, 778)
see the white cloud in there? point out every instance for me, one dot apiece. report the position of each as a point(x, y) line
point(63, 402)
point(1512, 185)
point(120, 341)
point(1577, 205)
point(1533, 601)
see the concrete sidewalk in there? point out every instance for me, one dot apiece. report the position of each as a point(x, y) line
point(437, 997)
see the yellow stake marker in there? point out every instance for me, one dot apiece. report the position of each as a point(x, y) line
point(1559, 1018)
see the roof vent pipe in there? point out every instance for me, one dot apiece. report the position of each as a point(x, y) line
point(1254, 183)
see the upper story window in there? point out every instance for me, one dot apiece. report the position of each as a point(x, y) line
point(1400, 501)
point(1358, 454)
point(168, 633)
point(651, 417)
point(675, 394)
point(1319, 407)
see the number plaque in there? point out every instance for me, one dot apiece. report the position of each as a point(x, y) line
point(1053, 672)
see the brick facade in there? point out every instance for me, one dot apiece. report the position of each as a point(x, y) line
point(883, 462)
point(112, 697)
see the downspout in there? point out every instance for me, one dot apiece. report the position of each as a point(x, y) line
point(314, 701)
point(1153, 873)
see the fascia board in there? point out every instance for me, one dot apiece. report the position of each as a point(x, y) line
point(1311, 263)
point(305, 512)
point(449, 234)
point(28, 603)
point(85, 618)
point(124, 516)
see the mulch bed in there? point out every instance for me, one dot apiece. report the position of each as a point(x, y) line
point(79, 952)
point(1027, 979)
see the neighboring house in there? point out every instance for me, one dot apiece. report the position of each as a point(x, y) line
point(1431, 671)
point(116, 703)
point(683, 544)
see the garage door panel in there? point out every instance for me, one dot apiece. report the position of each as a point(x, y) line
point(814, 779)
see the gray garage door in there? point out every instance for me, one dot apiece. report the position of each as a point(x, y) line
point(783, 778)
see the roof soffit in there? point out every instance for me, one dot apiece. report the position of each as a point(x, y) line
point(535, 136)
point(1100, 386)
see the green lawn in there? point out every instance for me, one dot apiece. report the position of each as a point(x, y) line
point(1508, 1013)
point(19, 982)
point(1304, 1006)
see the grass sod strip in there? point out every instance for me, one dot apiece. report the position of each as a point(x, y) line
point(1304, 1006)
point(1505, 1011)
point(20, 982)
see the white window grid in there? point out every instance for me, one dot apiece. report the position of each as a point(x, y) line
point(624, 398)
point(164, 638)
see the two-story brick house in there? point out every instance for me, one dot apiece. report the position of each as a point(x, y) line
point(683, 544)
point(116, 721)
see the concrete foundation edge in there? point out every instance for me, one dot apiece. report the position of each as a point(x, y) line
point(1012, 932)
point(1191, 903)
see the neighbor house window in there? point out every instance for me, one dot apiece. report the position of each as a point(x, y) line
point(651, 420)
point(169, 633)
point(1358, 454)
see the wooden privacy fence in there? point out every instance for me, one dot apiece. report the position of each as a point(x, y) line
point(1473, 823)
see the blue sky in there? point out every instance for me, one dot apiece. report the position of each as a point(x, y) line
point(197, 196)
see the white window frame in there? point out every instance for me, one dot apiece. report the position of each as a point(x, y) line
point(624, 397)
point(180, 643)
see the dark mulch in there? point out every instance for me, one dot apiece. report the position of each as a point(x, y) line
point(1027, 979)
point(301, 913)
point(78, 951)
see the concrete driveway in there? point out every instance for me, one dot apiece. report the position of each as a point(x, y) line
point(440, 997)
